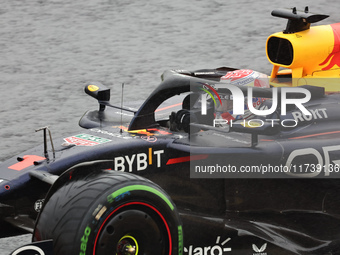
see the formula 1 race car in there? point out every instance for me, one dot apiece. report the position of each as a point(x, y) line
point(215, 161)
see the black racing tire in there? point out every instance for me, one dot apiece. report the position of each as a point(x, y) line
point(109, 212)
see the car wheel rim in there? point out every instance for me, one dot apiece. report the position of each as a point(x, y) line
point(133, 229)
point(127, 245)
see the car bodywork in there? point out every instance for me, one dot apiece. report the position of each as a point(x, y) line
point(299, 42)
point(260, 212)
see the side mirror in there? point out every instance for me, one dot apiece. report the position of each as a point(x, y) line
point(99, 92)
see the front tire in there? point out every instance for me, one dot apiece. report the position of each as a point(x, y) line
point(110, 213)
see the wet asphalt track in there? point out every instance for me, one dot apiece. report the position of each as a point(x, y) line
point(49, 50)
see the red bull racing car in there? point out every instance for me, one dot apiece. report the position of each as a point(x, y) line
point(215, 161)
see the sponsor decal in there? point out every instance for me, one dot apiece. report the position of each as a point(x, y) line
point(324, 163)
point(259, 251)
point(138, 161)
point(86, 140)
point(84, 240)
point(150, 139)
point(38, 205)
point(93, 88)
point(315, 115)
point(218, 249)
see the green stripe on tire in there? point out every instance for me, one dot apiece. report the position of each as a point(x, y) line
point(112, 197)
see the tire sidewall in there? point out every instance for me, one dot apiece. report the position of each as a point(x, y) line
point(143, 194)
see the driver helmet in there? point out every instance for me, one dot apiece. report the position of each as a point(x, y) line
point(242, 77)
